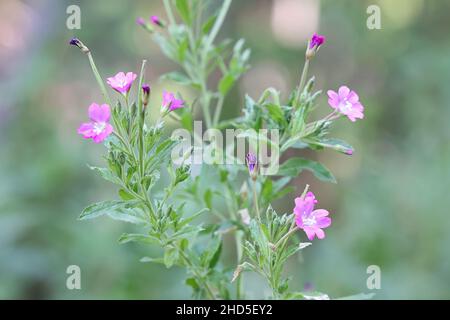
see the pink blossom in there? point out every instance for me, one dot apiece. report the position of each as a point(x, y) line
point(99, 128)
point(346, 102)
point(122, 82)
point(171, 103)
point(310, 220)
point(316, 41)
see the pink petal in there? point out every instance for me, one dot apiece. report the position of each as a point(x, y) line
point(323, 222)
point(86, 129)
point(131, 76)
point(319, 232)
point(343, 92)
point(353, 97)
point(104, 134)
point(333, 95)
point(99, 113)
point(310, 232)
point(299, 221)
point(320, 213)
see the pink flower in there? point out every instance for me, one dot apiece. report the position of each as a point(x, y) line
point(170, 103)
point(316, 41)
point(346, 102)
point(99, 128)
point(310, 220)
point(122, 82)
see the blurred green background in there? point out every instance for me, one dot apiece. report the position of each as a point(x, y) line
point(390, 206)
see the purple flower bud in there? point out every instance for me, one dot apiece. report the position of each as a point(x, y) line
point(251, 162)
point(75, 42)
point(146, 93)
point(140, 21)
point(314, 44)
point(156, 21)
point(316, 41)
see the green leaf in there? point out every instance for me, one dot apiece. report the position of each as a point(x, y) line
point(170, 257)
point(183, 10)
point(106, 174)
point(177, 77)
point(208, 198)
point(125, 195)
point(192, 283)
point(215, 257)
point(293, 166)
point(335, 144)
point(153, 260)
point(166, 47)
point(115, 209)
point(226, 83)
point(276, 113)
point(207, 26)
point(134, 237)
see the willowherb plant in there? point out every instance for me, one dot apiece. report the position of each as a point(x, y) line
point(137, 151)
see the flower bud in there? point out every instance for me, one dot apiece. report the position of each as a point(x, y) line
point(145, 94)
point(76, 42)
point(313, 45)
point(157, 21)
point(252, 165)
point(144, 24)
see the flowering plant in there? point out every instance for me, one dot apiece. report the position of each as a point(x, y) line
point(139, 151)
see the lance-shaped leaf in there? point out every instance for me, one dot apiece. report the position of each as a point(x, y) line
point(293, 166)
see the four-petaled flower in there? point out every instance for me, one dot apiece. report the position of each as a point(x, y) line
point(316, 41)
point(99, 128)
point(122, 82)
point(171, 103)
point(346, 102)
point(310, 220)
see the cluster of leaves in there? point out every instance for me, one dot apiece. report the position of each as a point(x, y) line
point(268, 249)
point(191, 44)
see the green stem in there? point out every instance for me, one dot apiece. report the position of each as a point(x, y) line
point(141, 124)
point(99, 79)
point(188, 263)
point(302, 82)
point(218, 111)
point(217, 25)
point(169, 12)
point(205, 104)
point(255, 200)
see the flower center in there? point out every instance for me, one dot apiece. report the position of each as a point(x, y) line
point(345, 106)
point(309, 221)
point(99, 127)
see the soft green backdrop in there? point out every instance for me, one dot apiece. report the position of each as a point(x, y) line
point(390, 207)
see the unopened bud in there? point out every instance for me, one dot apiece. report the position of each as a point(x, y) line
point(252, 165)
point(76, 42)
point(313, 45)
point(145, 94)
point(157, 21)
